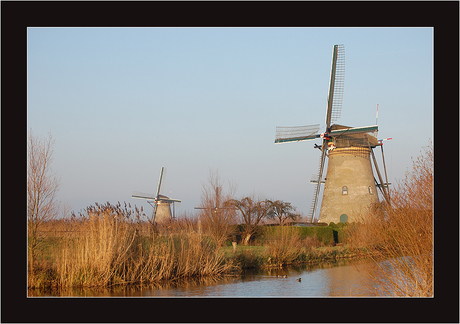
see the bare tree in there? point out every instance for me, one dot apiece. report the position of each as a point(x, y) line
point(217, 219)
point(42, 187)
point(252, 213)
point(282, 211)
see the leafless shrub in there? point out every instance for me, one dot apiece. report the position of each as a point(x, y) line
point(216, 217)
point(400, 236)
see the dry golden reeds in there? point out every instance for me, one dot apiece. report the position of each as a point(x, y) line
point(109, 249)
point(400, 236)
point(98, 255)
point(284, 244)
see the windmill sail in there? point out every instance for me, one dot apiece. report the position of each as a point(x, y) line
point(296, 133)
point(334, 108)
point(318, 184)
point(142, 195)
point(159, 181)
point(336, 84)
point(169, 200)
point(314, 178)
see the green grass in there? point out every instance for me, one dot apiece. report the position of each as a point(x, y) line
point(257, 257)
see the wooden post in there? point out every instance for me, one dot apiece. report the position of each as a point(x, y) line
point(234, 247)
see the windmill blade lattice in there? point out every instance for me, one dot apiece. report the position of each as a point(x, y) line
point(314, 202)
point(336, 85)
point(296, 133)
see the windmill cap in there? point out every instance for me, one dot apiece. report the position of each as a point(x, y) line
point(359, 139)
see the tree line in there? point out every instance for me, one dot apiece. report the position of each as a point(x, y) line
point(220, 211)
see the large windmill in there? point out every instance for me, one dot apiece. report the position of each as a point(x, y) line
point(161, 203)
point(350, 185)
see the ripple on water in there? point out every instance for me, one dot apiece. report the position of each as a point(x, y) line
point(325, 280)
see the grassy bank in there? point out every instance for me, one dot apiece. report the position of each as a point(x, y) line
point(161, 260)
point(108, 247)
point(289, 251)
point(254, 257)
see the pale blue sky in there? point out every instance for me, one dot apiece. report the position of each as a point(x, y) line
point(123, 102)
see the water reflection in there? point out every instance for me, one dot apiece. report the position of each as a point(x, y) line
point(342, 279)
point(132, 290)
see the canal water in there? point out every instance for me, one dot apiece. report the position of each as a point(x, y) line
point(334, 279)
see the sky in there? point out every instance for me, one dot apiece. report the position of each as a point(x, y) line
point(121, 103)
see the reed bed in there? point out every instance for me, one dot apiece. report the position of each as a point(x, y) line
point(284, 245)
point(109, 250)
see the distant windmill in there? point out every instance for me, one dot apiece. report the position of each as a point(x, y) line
point(161, 203)
point(349, 184)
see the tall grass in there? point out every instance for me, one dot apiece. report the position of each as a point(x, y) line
point(284, 244)
point(112, 247)
point(400, 235)
point(100, 254)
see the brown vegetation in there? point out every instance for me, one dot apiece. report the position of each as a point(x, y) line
point(400, 235)
point(284, 245)
point(217, 219)
point(252, 212)
point(110, 249)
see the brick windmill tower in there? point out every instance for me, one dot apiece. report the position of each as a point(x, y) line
point(350, 185)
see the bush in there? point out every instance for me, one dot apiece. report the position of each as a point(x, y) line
point(312, 242)
point(283, 244)
point(324, 234)
point(247, 260)
point(402, 234)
